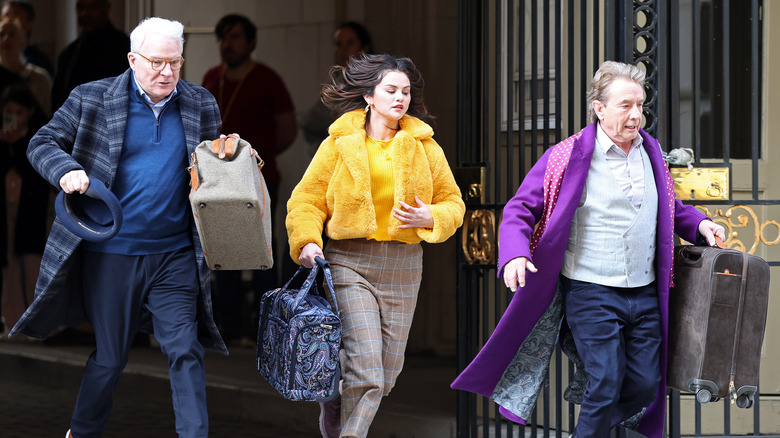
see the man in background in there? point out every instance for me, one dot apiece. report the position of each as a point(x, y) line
point(99, 52)
point(254, 103)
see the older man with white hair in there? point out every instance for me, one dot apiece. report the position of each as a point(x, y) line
point(134, 134)
point(586, 243)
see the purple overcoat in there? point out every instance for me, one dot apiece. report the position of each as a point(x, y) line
point(520, 216)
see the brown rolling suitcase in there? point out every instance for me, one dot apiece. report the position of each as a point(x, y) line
point(230, 205)
point(717, 316)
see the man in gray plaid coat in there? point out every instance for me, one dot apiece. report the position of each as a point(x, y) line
point(133, 133)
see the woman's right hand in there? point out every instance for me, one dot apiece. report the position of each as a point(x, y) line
point(309, 251)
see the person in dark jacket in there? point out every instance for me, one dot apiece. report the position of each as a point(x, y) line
point(24, 201)
point(99, 52)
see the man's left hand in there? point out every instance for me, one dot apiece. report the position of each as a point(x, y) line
point(710, 229)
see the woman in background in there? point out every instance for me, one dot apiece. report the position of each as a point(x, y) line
point(378, 186)
point(13, 40)
point(350, 39)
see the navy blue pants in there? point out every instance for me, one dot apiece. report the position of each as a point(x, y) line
point(117, 290)
point(618, 336)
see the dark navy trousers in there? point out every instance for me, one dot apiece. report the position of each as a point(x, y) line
point(618, 336)
point(118, 289)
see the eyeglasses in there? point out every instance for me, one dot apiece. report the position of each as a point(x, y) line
point(159, 64)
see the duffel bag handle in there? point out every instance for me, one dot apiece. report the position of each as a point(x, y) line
point(328, 280)
point(311, 277)
point(225, 145)
point(311, 280)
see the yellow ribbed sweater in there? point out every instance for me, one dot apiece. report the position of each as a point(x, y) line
point(380, 166)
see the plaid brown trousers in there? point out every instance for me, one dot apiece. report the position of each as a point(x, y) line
point(376, 285)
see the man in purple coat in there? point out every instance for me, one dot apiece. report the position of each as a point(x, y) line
point(589, 236)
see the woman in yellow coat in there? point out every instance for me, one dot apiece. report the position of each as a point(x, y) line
point(378, 186)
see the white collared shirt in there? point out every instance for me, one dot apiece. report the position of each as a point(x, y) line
point(628, 169)
point(156, 107)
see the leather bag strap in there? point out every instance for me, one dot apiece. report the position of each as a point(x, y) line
point(193, 170)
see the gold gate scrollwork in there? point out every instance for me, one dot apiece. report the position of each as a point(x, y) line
point(734, 222)
point(478, 236)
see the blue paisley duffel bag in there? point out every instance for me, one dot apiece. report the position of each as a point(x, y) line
point(299, 337)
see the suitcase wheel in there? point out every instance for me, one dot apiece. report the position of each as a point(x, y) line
point(745, 401)
point(745, 396)
point(704, 396)
point(704, 390)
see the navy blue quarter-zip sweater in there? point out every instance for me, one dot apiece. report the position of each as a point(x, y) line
point(151, 182)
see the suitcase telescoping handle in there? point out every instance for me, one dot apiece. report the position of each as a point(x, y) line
point(311, 281)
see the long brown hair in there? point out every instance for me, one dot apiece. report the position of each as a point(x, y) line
point(361, 76)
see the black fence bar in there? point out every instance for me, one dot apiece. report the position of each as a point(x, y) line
point(672, 17)
point(486, 404)
point(570, 70)
point(546, 112)
point(558, 70)
point(487, 69)
point(465, 153)
point(726, 81)
point(674, 413)
point(696, 80)
point(596, 40)
point(521, 114)
point(584, 54)
point(505, 46)
point(696, 418)
point(509, 87)
point(757, 414)
point(534, 75)
point(755, 91)
point(669, 75)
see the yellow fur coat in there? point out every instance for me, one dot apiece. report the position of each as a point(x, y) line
point(335, 191)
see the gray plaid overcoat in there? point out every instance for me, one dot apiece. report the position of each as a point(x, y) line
point(87, 133)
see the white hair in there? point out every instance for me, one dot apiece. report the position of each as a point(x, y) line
point(156, 26)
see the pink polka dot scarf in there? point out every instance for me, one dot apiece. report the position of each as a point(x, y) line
point(553, 176)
